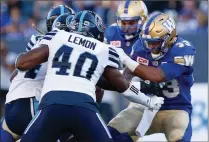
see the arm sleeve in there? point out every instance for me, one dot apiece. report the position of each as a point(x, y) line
point(172, 70)
point(31, 43)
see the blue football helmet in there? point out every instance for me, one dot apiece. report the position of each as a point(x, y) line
point(130, 17)
point(88, 23)
point(55, 12)
point(62, 21)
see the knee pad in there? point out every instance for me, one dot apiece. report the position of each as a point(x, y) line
point(119, 137)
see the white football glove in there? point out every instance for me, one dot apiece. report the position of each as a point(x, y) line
point(155, 102)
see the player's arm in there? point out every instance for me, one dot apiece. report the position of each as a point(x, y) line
point(143, 72)
point(167, 71)
point(32, 58)
point(116, 80)
point(131, 90)
point(105, 84)
point(128, 74)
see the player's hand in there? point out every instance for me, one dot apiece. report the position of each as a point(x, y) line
point(155, 102)
point(148, 87)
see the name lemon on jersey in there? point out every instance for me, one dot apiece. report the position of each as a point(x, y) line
point(83, 42)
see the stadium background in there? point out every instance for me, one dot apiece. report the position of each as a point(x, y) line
point(191, 20)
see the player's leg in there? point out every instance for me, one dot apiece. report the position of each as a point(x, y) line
point(89, 126)
point(126, 122)
point(177, 125)
point(47, 125)
point(128, 119)
point(6, 134)
point(18, 114)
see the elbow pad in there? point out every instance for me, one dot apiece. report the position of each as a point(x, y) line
point(133, 94)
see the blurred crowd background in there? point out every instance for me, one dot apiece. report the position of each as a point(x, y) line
point(17, 17)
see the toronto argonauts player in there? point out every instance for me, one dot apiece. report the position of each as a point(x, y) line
point(76, 61)
point(21, 103)
point(165, 57)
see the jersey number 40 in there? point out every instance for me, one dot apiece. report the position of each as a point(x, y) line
point(64, 53)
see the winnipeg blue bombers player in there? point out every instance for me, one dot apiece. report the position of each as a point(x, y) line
point(167, 58)
point(20, 101)
point(125, 31)
point(130, 17)
point(76, 61)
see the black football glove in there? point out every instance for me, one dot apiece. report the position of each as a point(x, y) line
point(148, 87)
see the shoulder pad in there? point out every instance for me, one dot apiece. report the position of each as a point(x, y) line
point(184, 53)
point(33, 40)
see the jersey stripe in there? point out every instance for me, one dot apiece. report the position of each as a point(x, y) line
point(134, 89)
point(49, 36)
point(112, 49)
point(51, 33)
point(28, 48)
point(126, 6)
point(149, 23)
point(114, 61)
point(114, 57)
point(113, 54)
point(31, 43)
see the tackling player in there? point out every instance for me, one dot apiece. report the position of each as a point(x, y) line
point(166, 58)
point(21, 103)
point(76, 60)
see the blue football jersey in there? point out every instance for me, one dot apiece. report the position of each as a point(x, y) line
point(177, 66)
point(115, 38)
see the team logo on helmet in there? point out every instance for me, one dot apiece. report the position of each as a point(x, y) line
point(99, 23)
point(58, 23)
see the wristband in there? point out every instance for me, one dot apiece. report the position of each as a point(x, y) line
point(131, 64)
point(133, 94)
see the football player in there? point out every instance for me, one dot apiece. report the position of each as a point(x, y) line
point(76, 61)
point(164, 57)
point(125, 31)
point(130, 17)
point(21, 103)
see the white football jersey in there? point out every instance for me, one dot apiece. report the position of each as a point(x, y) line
point(28, 83)
point(76, 62)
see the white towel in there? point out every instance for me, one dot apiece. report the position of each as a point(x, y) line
point(146, 121)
